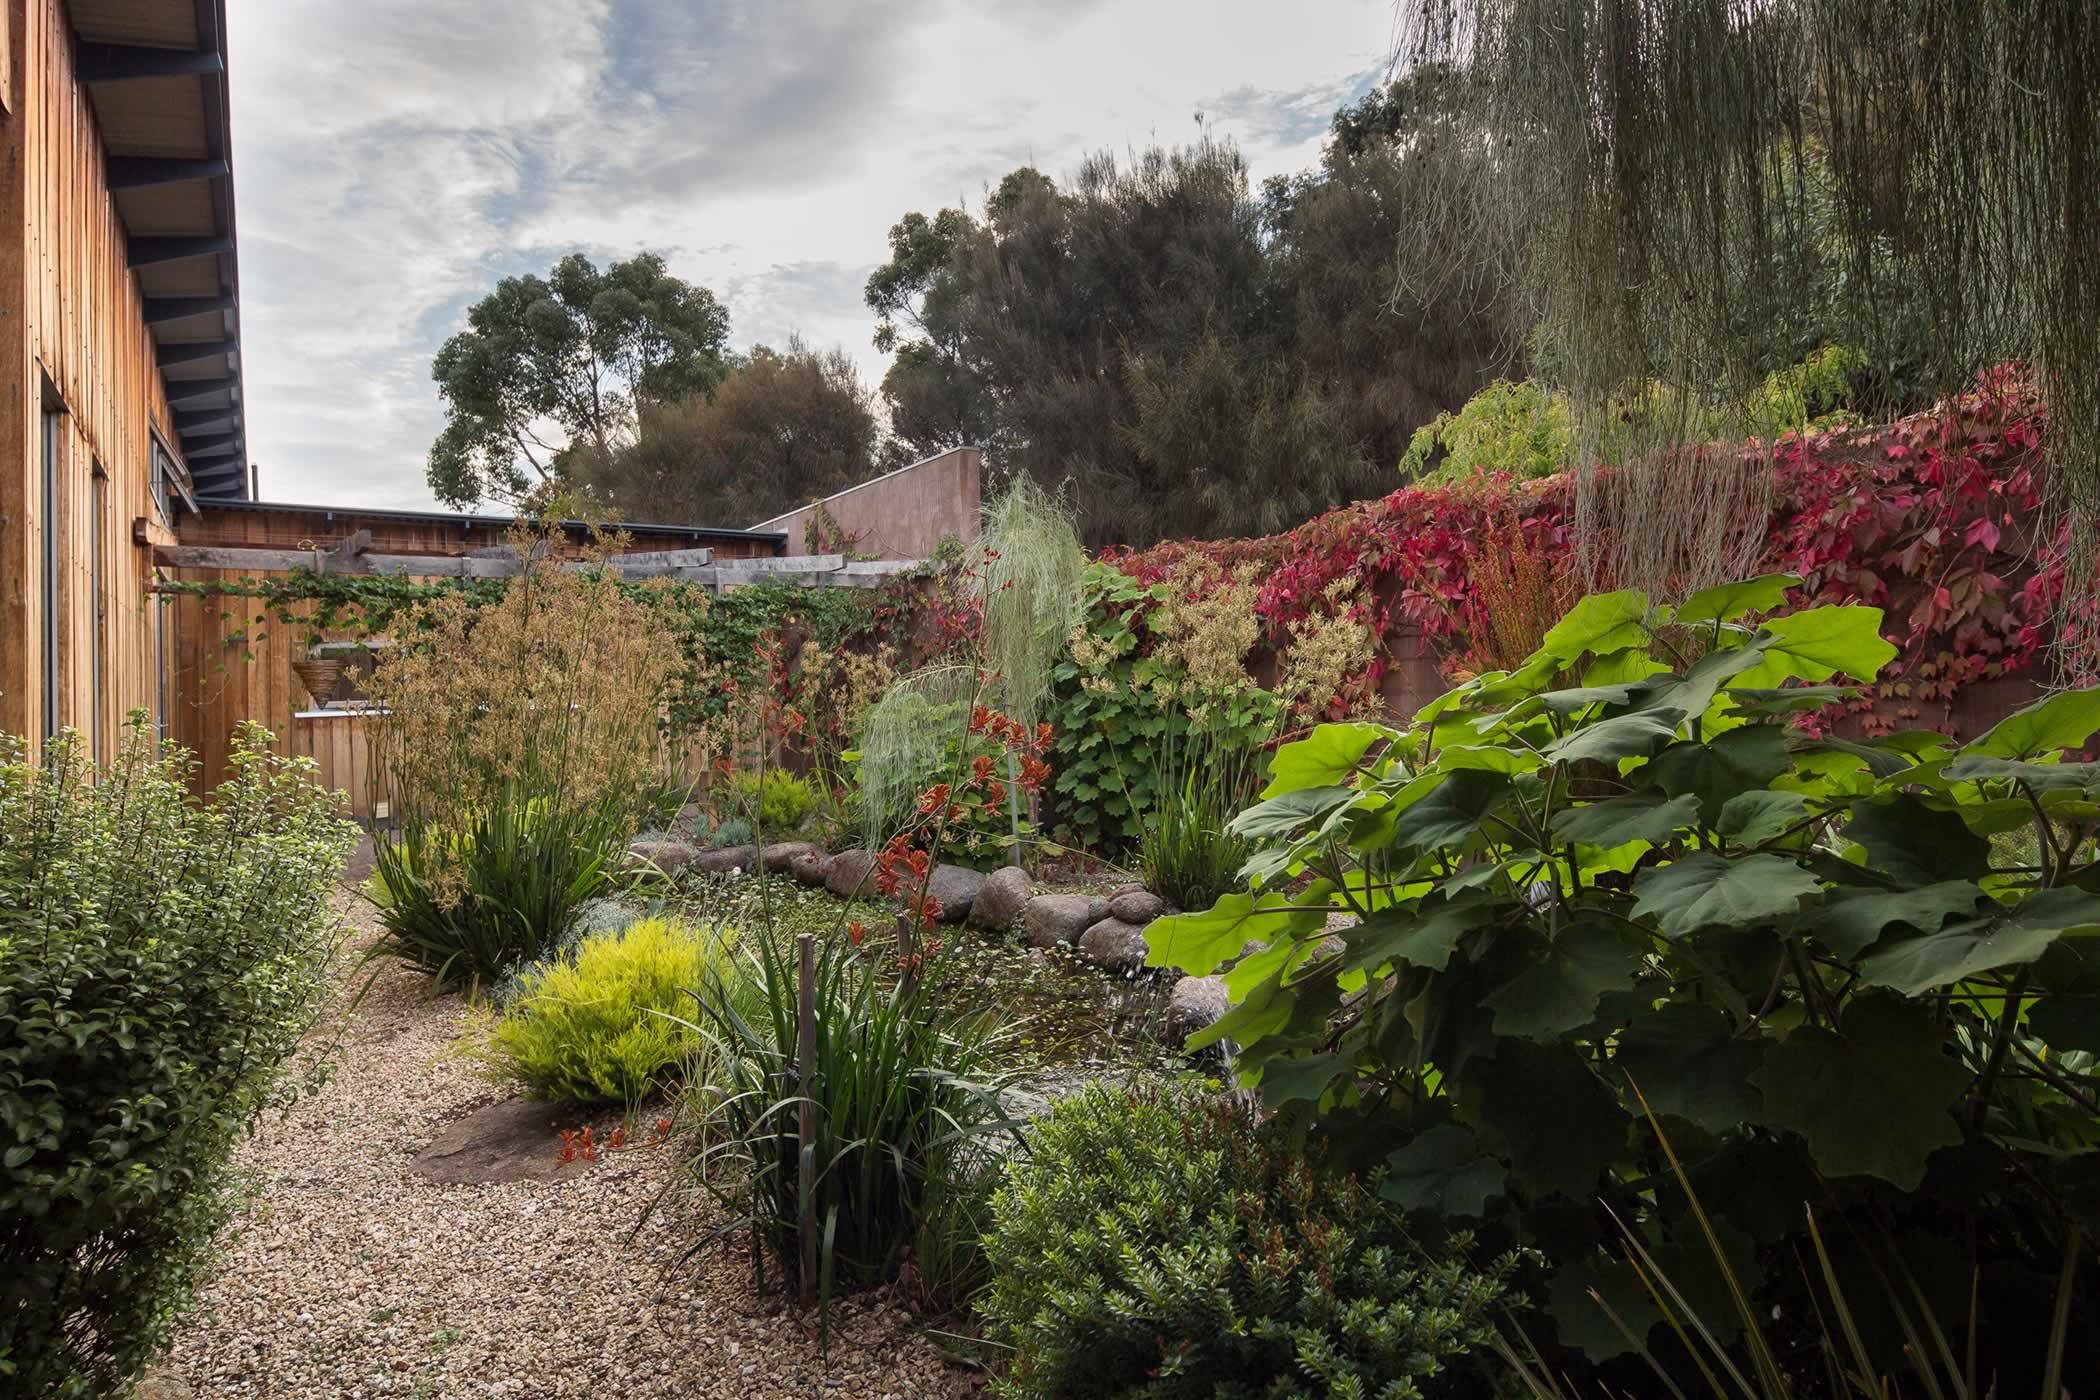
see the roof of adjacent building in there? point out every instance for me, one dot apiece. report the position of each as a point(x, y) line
point(498, 522)
point(155, 71)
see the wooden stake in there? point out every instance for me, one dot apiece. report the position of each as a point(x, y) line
point(805, 1064)
point(907, 944)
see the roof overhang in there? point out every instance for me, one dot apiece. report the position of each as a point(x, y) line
point(155, 71)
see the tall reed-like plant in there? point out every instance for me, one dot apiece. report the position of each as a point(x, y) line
point(1206, 776)
point(520, 743)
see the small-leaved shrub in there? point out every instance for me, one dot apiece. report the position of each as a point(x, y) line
point(160, 960)
point(596, 1026)
point(1154, 1242)
point(776, 801)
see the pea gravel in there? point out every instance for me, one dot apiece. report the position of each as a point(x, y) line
point(344, 1274)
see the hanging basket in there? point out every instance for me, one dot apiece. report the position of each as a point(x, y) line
point(320, 675)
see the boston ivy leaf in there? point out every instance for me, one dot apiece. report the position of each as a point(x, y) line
point(1916, 842)
point(1852, 921)
point(1451, 811)
point(1324, 758)
point(1683, 1059)
point(1918, 965)
point(1872, 1098)
point(1742, 760)
point(1561, 1124)
point(1601, 623)
point(1728, 601)
point(1280, 816)
point(1618, 820)
point(1635, 735)
point(1751, 817)
point(1443, 1170)
point(1198, 943)
point(2064, 720)
point(1559, 991)
point(1704, 890)
point(1817, 643)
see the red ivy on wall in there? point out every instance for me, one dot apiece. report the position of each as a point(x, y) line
point(1930, 518)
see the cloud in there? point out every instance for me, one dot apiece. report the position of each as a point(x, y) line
point(395, 158)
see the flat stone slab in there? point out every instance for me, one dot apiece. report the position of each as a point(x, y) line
point(515, 1141)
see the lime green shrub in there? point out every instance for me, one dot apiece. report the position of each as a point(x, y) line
point(1154, 1242)
point(585, 1028)
point(776, 801)
point(160, 960)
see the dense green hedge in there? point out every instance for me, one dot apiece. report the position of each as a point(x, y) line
point(160, 960)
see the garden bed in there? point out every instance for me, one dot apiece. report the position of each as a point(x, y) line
point(346, 1273)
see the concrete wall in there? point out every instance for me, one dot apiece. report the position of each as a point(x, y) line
point(903, 514)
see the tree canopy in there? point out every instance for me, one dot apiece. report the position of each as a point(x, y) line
point(549, 367)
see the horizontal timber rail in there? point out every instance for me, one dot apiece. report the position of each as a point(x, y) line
point(685, 565)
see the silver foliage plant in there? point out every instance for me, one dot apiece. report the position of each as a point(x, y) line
point(1655, 160)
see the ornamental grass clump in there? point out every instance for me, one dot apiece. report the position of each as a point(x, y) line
point(520, 743)
point(1156, 1242)
point(161, 959)
point(596, 1025)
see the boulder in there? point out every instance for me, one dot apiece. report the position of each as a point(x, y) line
point(811, 867)
point(1114, 946)
point(515, 1141)
point(667, 856)
point(1057, 920)
point(852, 874)
point(956, 887)
point(1137, 906)
point(1000, 902)
point(1194, 1003)
point(725, 860)
point(778, 855)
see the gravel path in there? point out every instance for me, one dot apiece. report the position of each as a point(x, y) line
point(348, 1275)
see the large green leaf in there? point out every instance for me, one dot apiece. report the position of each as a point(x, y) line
point(1444, 1170)
point(1919, 965)
point(1559, 991)
point(1683, 1059)
point(2042, 777)
point(1280, 816)
point(2064, 720)
point(1420, 937)
point(1759, 815)
point(1852, 921)
point(1873, 1098)
point(1705, 890)
point(1324, 758)
point(1618, 820)
point(1601, 623)
point(1199, 943)
point(1741, 760)
point(2068, 1015)
point(1728, 601)
point(1561, 1124)
point(1916, 842)
point(1451, 811)
point(1635, 735)
point(1289, 1078)
point(1815, 644)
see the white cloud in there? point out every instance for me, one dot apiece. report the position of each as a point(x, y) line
point(395, 157)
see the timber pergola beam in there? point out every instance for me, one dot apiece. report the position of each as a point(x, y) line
point(351, 556)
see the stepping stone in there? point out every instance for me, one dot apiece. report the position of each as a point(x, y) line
point(515, 1141)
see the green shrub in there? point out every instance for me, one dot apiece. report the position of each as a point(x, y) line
point(1637, 871)
point(1154, 1242)
point(1192, 856)
point(473, 902)
point(731, 831)
point(160, 959)
point(776, 801)
point(595, 1027)
point(905, 1097)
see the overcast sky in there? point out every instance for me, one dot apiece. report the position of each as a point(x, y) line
point(395, 158)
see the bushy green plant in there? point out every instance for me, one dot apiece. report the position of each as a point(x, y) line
point(160, 960)
point(905, 1094)
point(595, 1027)
point(1620, 865)
point(1192, 856)
point(731, 831)
point(1155, 1242)
point(1518, 428)
point(473, 901)
point(775, 801)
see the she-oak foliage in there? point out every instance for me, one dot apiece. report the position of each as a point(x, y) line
point(1859, 974)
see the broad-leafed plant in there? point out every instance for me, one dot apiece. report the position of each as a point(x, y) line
point(1859, 973)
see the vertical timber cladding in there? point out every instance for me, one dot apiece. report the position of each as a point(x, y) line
point(73, 333)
